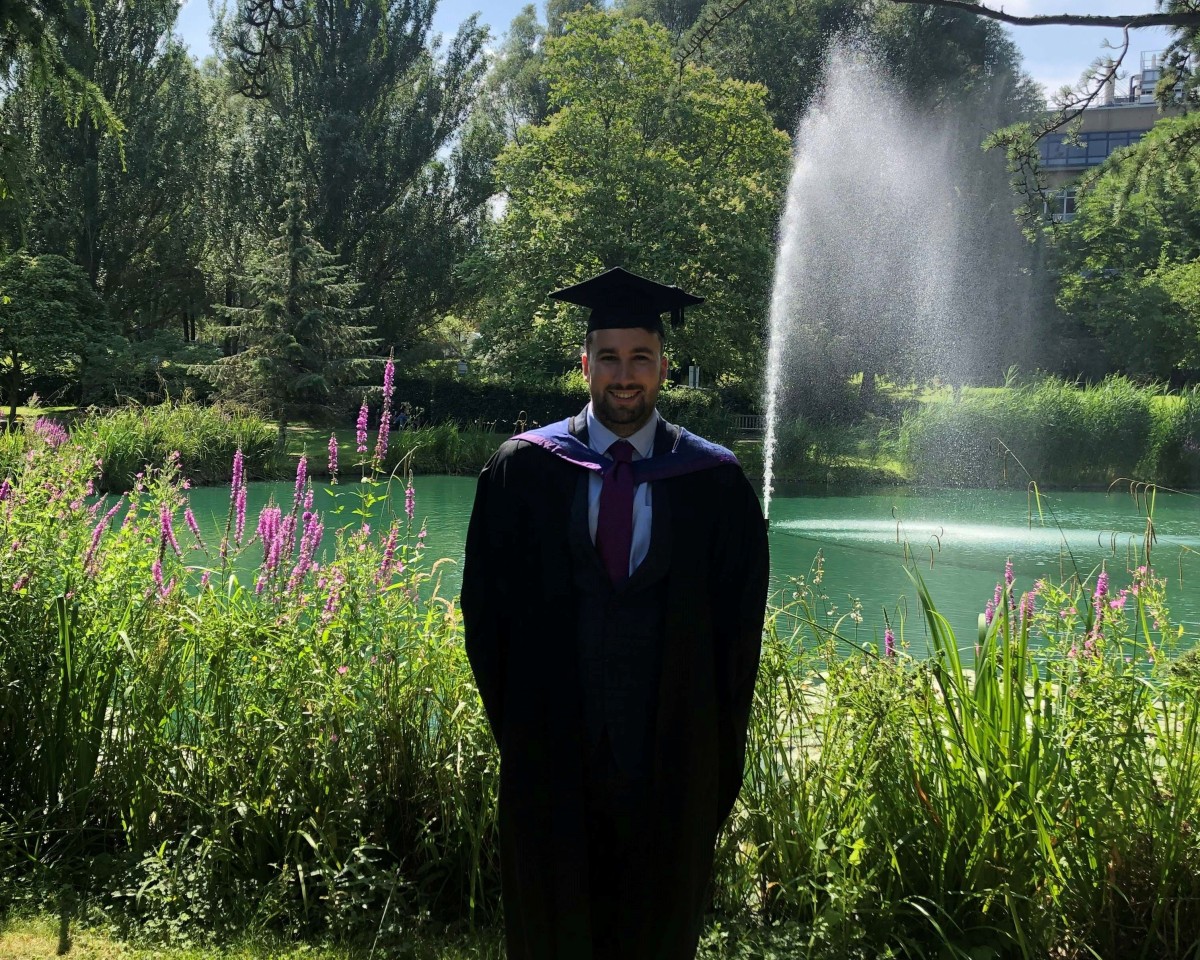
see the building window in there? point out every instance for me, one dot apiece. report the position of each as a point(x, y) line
point(1085, 150)
point(1059, 206)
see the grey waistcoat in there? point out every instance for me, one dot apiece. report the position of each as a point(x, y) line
point(620, 635)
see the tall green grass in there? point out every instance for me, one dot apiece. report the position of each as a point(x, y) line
point(306, 751)
point(131, 439)
point(1062, 434)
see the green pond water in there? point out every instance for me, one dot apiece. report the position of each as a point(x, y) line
point(958, 540)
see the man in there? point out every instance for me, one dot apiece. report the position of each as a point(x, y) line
point(613, 599)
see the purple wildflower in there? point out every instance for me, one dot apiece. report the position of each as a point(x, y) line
point(889, 642)
point(97, 533)
point(989, 612)
point(269, 524)
point(389, 555)
point(156, 572)
point(51, 432)
point(342, 671)
point(167, 530)
point(240, 519)
point(190, 519)
point(1027, 606)
point(410, 501)
point(385, 416)
point(335, 590)
point(287, 537)
point(389, 378)
point(1008, 572)
point(308, 546)
point(239, 470)
point(333, 457)
point(1098, 602)
point(5, 490)
point(360, 429)
point(22, 580)
point(205, 577)
point(301, 477)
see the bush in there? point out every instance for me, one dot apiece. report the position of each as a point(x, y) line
point(509, 407)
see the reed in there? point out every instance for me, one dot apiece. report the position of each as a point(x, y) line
point(1061, 433)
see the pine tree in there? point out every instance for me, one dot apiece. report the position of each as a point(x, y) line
point(300, 340)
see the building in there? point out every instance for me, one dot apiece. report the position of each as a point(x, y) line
point(1118, 121)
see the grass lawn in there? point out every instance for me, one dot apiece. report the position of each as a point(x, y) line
point(37, 938)
point(314, 441)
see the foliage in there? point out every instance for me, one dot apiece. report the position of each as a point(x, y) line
point(32, 34)
point(664, 171)
point(52, 321)
point(131, 440)
point(275, 734)
point(202, 744)
point(365, 112)
point(1129, 259)
point(301, 341)
point(1060, 433)
point(130, 212)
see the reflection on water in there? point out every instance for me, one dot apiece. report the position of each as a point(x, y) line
point(958, 541)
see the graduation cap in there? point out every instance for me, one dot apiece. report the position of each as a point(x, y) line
point(619, 299)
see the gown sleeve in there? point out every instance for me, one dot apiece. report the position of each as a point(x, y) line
point(744, 569)
point(484, 591)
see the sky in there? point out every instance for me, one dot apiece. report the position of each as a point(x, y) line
point(1054, 56)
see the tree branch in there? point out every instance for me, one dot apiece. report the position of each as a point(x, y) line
point(1132, 21)
point(704, 28)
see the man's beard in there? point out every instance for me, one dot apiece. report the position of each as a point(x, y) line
point(612, 415)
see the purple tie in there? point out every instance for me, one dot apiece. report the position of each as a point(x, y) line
point(614, 526)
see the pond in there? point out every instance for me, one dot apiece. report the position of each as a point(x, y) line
point(957, 539)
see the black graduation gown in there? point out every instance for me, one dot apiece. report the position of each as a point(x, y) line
point(520, 610)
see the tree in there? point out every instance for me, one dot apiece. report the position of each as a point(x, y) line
point(131, 213)
point(1130, 261)
point(51, 321)
point(302, 339)
point(674, 174)
point(33, 34)
point(515, 92)
point(367, 105)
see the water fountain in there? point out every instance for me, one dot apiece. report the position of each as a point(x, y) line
point(894, 256)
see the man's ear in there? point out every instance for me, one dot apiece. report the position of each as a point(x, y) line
point(583, 360)
point(662, 370)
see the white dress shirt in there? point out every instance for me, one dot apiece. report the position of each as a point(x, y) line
point(600, 438)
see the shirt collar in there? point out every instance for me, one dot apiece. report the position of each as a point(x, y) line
point(600, 438)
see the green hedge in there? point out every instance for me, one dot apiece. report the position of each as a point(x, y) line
point(1062, 434)
point(506, 407)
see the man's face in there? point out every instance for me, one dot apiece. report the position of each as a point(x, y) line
point(624, 369)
